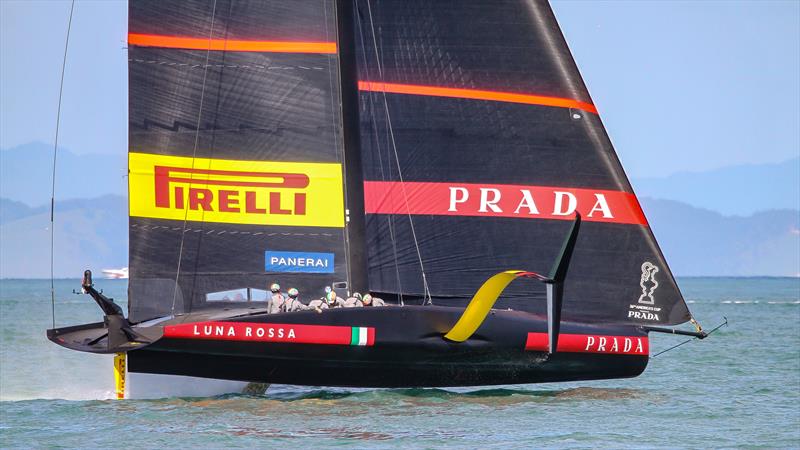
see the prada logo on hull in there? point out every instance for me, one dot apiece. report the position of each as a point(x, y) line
point(588, 343)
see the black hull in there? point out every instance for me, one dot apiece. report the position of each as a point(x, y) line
point(408, 351)
point(368, 371)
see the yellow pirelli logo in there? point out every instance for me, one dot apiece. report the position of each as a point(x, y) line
point(227, 191)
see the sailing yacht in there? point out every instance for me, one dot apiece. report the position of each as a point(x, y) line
point(444, 156)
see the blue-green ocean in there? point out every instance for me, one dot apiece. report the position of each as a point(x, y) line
point(739, 388)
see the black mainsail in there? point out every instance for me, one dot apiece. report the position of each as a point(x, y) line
point(387, 146)
point(479, 139)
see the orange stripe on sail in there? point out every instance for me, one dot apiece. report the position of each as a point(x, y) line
point(188, 43)
point(475, 94)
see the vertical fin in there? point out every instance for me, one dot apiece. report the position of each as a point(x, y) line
point(120, 370)
point(559, 271)
point(555, 285)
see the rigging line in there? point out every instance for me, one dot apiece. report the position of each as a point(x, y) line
point(389, 217)
point(427, 294)
point(723, 324)
point(53, 187)
point(194, 154)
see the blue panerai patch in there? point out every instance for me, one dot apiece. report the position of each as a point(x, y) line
point(302, 262)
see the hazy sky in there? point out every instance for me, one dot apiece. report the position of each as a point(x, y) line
point(680, 85)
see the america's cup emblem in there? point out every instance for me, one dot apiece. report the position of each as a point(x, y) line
point(648, 283)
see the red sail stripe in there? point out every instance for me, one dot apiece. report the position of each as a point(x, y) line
point(189, 43)
point(232, 45)
point(475, 94)
point(266, 332)
point(589, 343)
point(427, 198)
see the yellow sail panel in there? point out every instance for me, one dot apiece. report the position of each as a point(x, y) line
point(120, 367)
point(243, 192)
point(481, 303)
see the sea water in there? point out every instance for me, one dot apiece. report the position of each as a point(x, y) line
point(739, 388)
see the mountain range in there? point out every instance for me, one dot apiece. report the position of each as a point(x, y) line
point(736, 190)
point(700, 242)
point(742, 190)
point(739, 221)
point(696, 242)
point(88, 234)
point(26, 173)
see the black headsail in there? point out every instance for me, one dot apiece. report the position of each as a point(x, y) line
point(480, 142)
point(236, 152)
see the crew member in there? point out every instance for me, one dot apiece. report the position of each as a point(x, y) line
point(333, 300)
point(369, 300)
point(318, 305)
point(292, 303)
point(276, 301)
point(354, 301)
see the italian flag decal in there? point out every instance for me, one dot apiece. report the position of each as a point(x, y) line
point(362, 336)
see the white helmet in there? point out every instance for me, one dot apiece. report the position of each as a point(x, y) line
point(275, 287)
point(357, 296)
point(293, 293)
point(328, 289)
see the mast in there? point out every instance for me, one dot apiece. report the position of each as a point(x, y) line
point(353, 175)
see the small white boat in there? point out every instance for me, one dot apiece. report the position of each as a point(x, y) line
point(116, 273)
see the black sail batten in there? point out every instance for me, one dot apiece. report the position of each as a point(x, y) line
point(474, 111)
point(269, 144)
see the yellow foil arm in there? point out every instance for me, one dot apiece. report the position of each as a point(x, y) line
point(481, 303)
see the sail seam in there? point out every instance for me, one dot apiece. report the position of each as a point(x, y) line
point(226, 66)
point(199, 230)
point(194, 153)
